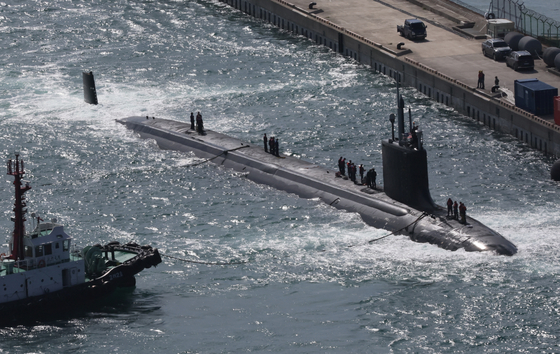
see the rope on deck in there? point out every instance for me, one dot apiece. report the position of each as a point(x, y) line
point(220, 154)
point(424, 214)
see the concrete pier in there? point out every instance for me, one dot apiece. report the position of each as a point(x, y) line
point(444, 66)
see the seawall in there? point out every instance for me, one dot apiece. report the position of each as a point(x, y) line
point(412, 70)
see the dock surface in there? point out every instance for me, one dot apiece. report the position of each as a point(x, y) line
point(446, 50)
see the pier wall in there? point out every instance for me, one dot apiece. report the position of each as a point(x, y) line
point(496, 114)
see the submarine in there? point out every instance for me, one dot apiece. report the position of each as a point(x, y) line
point(403, 207)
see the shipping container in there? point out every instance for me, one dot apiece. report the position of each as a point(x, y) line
point(557, 110)
point(535, 96)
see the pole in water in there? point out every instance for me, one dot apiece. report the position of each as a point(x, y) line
point(90, 94)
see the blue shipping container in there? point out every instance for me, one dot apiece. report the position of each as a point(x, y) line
point(535, 96)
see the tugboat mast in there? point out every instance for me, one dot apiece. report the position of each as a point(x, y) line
point(15, 168)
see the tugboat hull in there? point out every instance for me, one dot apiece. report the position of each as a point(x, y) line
point(82, 295)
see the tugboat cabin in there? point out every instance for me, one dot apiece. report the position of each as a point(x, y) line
point(48, 244)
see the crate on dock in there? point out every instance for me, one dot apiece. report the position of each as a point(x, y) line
point(535, 96)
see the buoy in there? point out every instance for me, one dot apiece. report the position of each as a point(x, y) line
point(530, 44)
point(557, 62)
point(550, 54)
point(512, 39)
point(555, 171)
point(90, 94)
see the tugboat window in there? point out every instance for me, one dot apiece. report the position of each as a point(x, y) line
point(48, 249)
point(56, 245)
point(28, 251)
point(38, 251)
point(66, 245)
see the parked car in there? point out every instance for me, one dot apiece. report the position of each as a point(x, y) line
point(495, 48)
point(521, 59)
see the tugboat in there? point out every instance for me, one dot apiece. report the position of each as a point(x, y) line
point(42, 275)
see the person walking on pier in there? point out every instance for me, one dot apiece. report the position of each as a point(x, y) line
point(455, 211)
point(265, 141)
point(192, 121)
point(480, 80)
point(449, 207)
point(463, 213)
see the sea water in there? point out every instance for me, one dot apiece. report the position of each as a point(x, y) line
point(302, 288)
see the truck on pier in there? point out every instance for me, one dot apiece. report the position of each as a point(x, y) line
point(413, 29)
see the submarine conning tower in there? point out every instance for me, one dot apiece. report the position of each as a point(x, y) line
point(405, 165)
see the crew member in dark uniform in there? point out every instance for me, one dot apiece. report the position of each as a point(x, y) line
point(414, 136)
point(362, 170)
point(199, 126)
point(265, 140)
point(373, 178)
point(455, 210)
point(192, 121)
point(449, 207)
point(343, 167)
point(276, 148)
point(271, 144)
point(463, 212)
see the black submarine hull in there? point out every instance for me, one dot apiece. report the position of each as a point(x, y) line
point(312, 181)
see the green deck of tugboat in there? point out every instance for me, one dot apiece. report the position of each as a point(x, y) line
point(120, 256)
